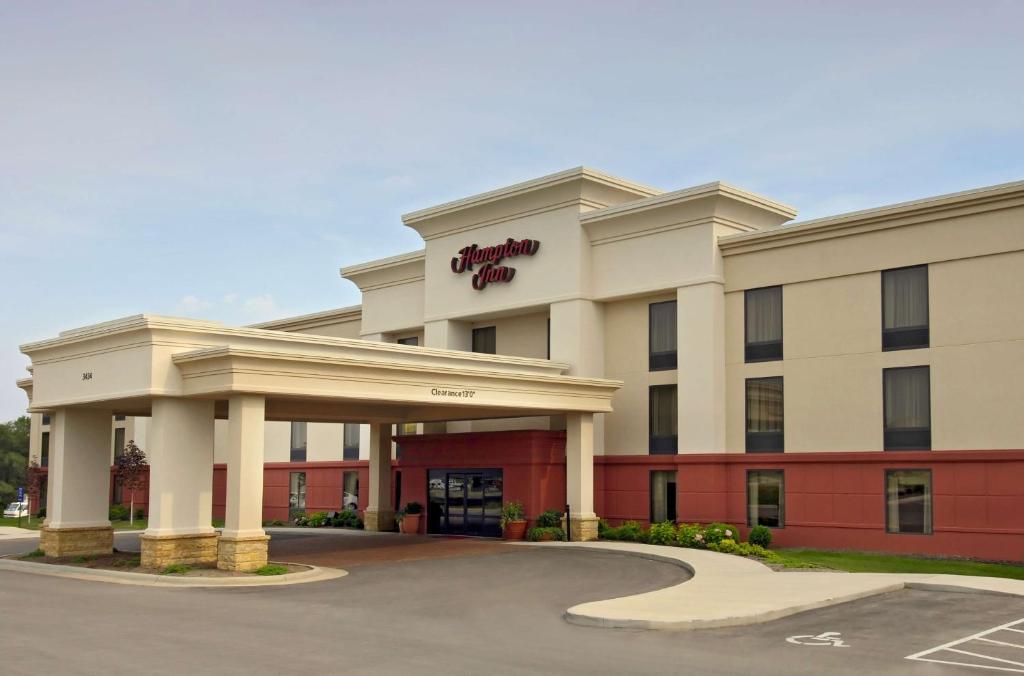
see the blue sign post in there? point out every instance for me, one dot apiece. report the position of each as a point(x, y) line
point(21, 499)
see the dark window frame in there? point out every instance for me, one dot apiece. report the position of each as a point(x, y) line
point(124, 441)
point(297, 454)
point(908, 337)
point(906, 438)
point(929, 515)
point(665, 444)
point(413, 341)
point(767, 350)
point(666, 360)
point(782, 496)
point(44, 450)
point(765, 441)
point(671, 496)
point(482, 331)
point(349, 452)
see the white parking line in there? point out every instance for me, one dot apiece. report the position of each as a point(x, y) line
point(987, 661)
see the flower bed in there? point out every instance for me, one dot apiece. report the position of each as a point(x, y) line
point(715, 537)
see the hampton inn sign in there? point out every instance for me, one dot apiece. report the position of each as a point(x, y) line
point(490, 257)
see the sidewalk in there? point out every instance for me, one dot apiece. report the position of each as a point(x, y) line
point(729, 590)
point(13, 532)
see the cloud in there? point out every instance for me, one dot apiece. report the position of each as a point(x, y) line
point(191, 304)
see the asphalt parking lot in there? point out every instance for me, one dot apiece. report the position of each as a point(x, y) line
point(494, 610)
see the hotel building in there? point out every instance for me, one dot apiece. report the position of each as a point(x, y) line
point(581, 340)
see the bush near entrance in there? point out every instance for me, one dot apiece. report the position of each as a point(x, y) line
point(716, 537)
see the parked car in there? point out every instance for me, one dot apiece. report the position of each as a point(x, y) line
point(16, 509)
point(350, 501)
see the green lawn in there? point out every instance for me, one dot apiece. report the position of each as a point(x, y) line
point(862, 562)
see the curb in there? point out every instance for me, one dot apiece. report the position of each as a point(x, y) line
point(314, 574)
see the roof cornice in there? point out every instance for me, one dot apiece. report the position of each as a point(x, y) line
point(341, 314)
point(551, 180)
point(713, 189)
point(892, 215)
point(384, 263)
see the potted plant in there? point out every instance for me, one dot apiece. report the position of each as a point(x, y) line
point(513, 520)
point(409, 518)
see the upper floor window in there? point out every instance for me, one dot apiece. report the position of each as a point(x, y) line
point(662, 335)
point(485, 340)
point(44, 450)
point(662, 433)
point(46, 420)
point(118, 442)
point(762, 319)
point(905, 308)
point(907, 402)
point(298, 451)
point(411, 340)
point(119, 417)
point(765, 415)
point(350, 443)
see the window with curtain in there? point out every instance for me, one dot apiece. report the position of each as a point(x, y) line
point(905, 308)
point(298, 450)
point(661, 326)
point(118, 442)
point(44, 450)
point(765, 415)
point(663, 411)
point(350, 490)
point(296, 494)
point(663, 496)
point(907, 404)
point(766, 498)
point(762, 321)
point(350, 445)
point(485, 340)
point(908, 501)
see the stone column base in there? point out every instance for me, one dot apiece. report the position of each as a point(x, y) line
point(160, 551)
point(87, 541)
point(583, 528)
point(243, 554)
point(379, 519)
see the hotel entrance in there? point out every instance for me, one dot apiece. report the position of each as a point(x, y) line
point(464, 502)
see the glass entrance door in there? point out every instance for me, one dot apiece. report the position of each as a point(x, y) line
point(464, 502)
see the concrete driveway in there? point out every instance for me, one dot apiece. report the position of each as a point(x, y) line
point(476, 612)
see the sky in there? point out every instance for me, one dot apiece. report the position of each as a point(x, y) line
point(223, 160)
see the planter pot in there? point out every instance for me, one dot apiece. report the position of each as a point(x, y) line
point(547, 537)
point(514, 530)
point(411, 524)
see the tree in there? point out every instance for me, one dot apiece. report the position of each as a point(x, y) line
point(131, 473)
point(13, 457)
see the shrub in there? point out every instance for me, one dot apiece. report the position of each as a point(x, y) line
point(176, 569)
point(140, 513)
point(690, 535)
point(118, 513)
point(276, 522)
point(301, 520)
point(413, 508)
point(545, 533)
point(728, 546)
point(662, 533)
point(512, 511)
point(80, 559)
point(317, 519)
point(34, 554)
point(631, 531)
point(760, 536)
point(347, 518)
point(716, 532)
point(271, 569)
point(41, 514)
point(552, 518)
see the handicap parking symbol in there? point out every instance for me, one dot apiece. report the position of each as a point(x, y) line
point(828, 639)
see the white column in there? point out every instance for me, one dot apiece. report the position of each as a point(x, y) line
point(243, 543)
point(701, 357)
point(577, 338)
point(180, 484)
point(379, 514)
point(243, 515)
point(579, 475)
point(78, 493)
point(78, 490)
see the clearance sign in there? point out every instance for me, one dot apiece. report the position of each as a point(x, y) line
point(489, 259)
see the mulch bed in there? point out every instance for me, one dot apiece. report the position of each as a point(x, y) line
point(128, 562)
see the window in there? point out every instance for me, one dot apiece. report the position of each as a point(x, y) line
point(907, 402)
point(119, 418)
point(766, 498)
point(350, 490)
point(663, 496)
point(411, 340)
point(398, 491)
point(296, 494)
point(908, 501)
point(905, 308)
point(118, 442)
point(764, 415)
point(762, 319)
point(46, 420)
point(663, 413)
point(298, 442)
point(485, 340)
point(661, 327)
point(350, 443)
point(44, 450)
